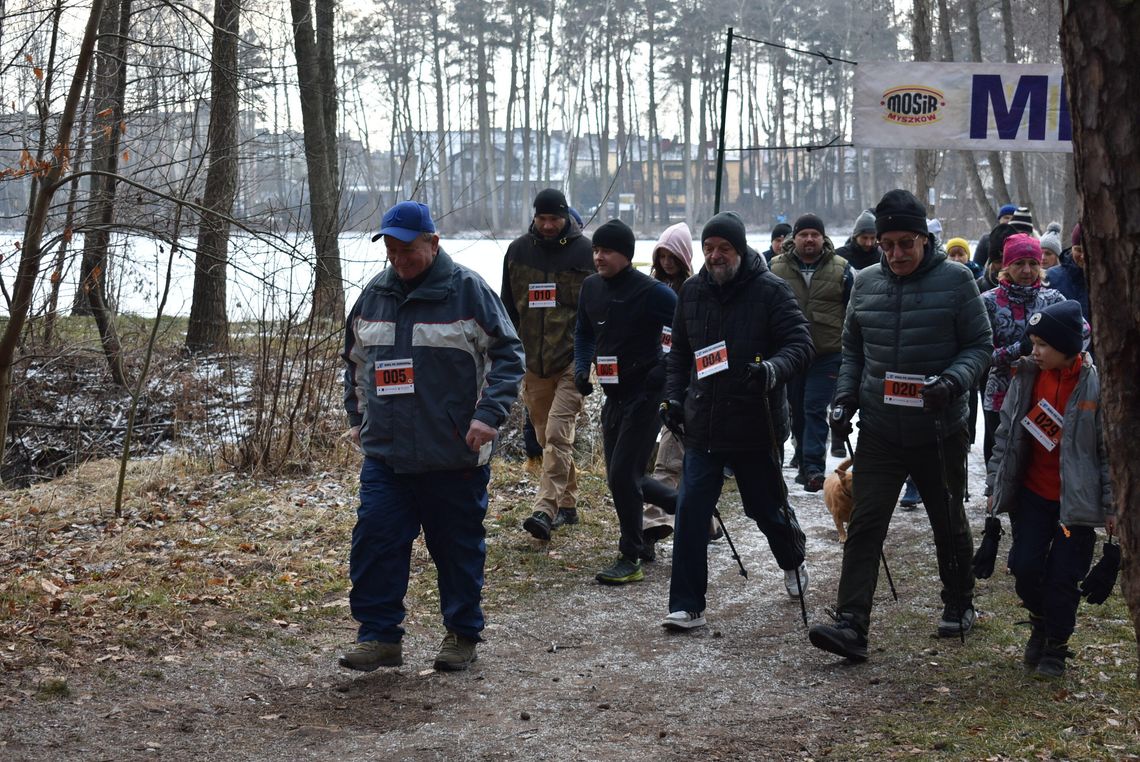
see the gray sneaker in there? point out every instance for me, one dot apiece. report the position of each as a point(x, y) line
point(372, 654)
point(796, 587)
point(953, 624)
point(455, 653)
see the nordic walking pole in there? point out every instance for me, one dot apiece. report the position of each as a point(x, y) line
point(785, 508)
point(882, 553)
point(728, 539)
point(949, 526)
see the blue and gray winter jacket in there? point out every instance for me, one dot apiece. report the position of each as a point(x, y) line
point(466, 358)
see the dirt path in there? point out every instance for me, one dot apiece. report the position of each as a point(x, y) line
point(583, 672)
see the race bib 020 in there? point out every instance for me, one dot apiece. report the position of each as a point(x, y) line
point(607, 369)
point(543, 294)
point(711, 360)
point(903, 389)
point(666, 339)
point(1045, 424)
point(395, 377)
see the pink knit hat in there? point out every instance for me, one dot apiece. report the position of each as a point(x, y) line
point(1020, 246)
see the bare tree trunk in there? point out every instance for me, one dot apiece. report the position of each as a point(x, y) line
point(328, 285)
point(31, 252)
point(486, 150)
point(997, 169)
point(924, 160)
point(208, 329)
point(1097, 43)
point(444, 150)
point(1017, 158)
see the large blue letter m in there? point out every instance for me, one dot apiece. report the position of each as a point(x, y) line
point(1031, 91)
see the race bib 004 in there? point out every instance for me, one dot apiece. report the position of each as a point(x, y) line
point(666, 339)
point(712, 359)
point(543, 294)
point(607, 369)
point(1045, 424)
point(395, 377)
point(903, 389)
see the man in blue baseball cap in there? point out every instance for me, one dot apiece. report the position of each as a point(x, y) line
point(426, 417)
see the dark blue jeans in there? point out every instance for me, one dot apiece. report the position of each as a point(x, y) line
point(450, 506)
point(1048, 566)
point(809, 394)
point(763, 499)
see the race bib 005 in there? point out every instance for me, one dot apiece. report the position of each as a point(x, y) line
point(1045, 424)
point(607, 369)
point(711, 360)
point(903, 389)
point(395, 377)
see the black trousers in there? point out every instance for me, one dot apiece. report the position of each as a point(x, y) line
point(880, 469)
point(629, 430)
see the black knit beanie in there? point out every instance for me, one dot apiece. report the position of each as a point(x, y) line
point(1001, 231)
point(615, 235)
point(781, 230)
point(900, 210)
point(730, 227)
point(1022, 220)
point(551, 201)
point(1061, 326)
point(808, 222)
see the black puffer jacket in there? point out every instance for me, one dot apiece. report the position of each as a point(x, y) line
point(931, 322)
point(757, 317)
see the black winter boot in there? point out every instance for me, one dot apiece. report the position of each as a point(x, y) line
point(1052, 662)
point(1035, 647)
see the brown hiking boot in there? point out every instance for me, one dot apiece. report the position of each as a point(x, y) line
point(372, 654)
point(455, 653)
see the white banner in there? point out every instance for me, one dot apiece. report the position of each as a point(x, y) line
point(970, 106)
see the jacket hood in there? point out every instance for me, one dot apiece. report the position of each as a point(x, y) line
point(678, 241)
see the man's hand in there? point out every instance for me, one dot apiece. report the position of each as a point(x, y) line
point(582, 383)
point(840, 420)
point(760, 377)
point(479, 434)
point(354, 435)
point(938, 392)
point(673, 416)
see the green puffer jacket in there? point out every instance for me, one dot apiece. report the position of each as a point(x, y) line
point(1086, 490)
point(931, 322)
point(547, 333)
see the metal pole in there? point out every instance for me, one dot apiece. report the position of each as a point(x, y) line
point(723, 122)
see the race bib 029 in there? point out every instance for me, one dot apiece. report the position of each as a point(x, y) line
point(903, 389)
point(395, 377)
point(1045, 424)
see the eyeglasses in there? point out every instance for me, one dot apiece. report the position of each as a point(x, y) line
point(904, 244)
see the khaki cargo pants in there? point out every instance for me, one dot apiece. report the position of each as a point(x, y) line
point(554, 405)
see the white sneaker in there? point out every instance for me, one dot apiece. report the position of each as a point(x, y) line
point(683, 620)
point(794, 588)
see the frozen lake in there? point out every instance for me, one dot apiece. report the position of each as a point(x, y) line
point(267, 279)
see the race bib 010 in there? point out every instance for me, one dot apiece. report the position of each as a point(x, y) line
point(666, 339)
point(1045, 424)
point(711, 360)
point(395, 377)
point(543, 294)
point(903, 389)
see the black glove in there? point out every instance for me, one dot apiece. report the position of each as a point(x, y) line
point(840, 420)
point(988, 548)
point(938, 392)
point(759, 377)
point(582, 383)
point(1100, 580)
point(673, 416)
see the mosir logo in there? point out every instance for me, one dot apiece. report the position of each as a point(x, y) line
point(912, 104)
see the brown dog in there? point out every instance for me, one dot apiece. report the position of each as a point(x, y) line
point(838, 498)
